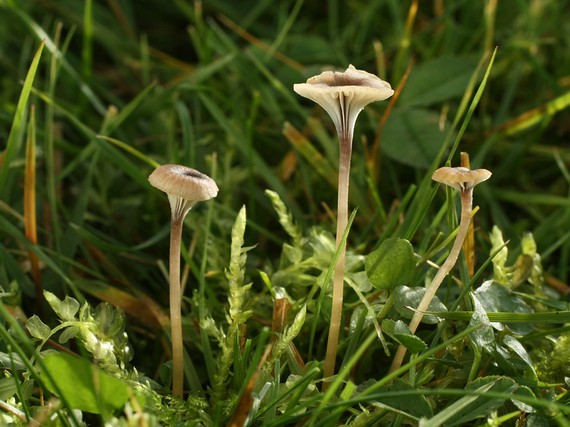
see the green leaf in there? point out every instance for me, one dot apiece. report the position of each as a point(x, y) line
point(406, 299)
point(413, 404)
point(500, 271)
point(413, 137)
point(483, 336)
point(438, 80)
point(82, 384)
point(68, 333)
point(400, 332)
point(499, 298)
point(527, 393)
point(18, 121)
point(9, 387)
point(37, 328)
point(391, 264)
point(475, 405)
point(66, 309)
point(517, 348)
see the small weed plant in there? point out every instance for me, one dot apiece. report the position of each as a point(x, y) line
point(412, 300)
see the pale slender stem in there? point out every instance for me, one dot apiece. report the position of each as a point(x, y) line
point(338, 278)
point(466, 204)
point(175, 306)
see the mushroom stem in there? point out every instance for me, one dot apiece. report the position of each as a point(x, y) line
point(338, 278)
point(175, 306)
point(179, 207)
point(466, 207)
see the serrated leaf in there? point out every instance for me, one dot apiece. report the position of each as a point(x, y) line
point(83, 385)
point(37, 328)
point(406, 299)
point(66, 309)
point(391, 264)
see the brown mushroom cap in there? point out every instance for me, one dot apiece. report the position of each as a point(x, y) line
point(184, 182)
point(363, 86)
point(460, 178)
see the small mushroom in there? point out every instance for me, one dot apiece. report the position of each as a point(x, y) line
point(463, 180)
point(184, 187)
point(343, 95)
point(460, 178)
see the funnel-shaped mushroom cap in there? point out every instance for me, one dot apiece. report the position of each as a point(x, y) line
point(184, 182)
point(344, 94)
point(460, 178)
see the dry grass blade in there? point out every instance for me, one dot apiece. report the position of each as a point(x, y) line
point(30, 217)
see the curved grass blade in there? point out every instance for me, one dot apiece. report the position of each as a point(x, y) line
point(18, 122)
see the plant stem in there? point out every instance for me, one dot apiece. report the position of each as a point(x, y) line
point(338, 278)
point(466, 205)
point(175, 306)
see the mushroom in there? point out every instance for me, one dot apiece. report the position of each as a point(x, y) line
point(463, 180)
point(185, 187)
point(343, 95)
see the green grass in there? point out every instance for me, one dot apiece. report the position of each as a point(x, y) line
point(119, 87)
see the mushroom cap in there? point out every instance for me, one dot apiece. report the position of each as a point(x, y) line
point(184, 182)
point(361, 85)
point(343, 95)
point(460, 178)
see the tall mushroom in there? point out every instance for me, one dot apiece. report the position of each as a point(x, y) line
point(343, 95)
point(185, 187)
point(463, 180)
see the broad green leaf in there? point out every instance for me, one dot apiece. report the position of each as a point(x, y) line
point(406, 299)
point(9, 388)
point(37, 328)
point(66, 309)
point(83, 385)
point(473, 406)
point(438, 80)
point(498, 298)
point(399, 331)
point(413, 137)
point(516, 347)
point(12, 361)
point(391, 264)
